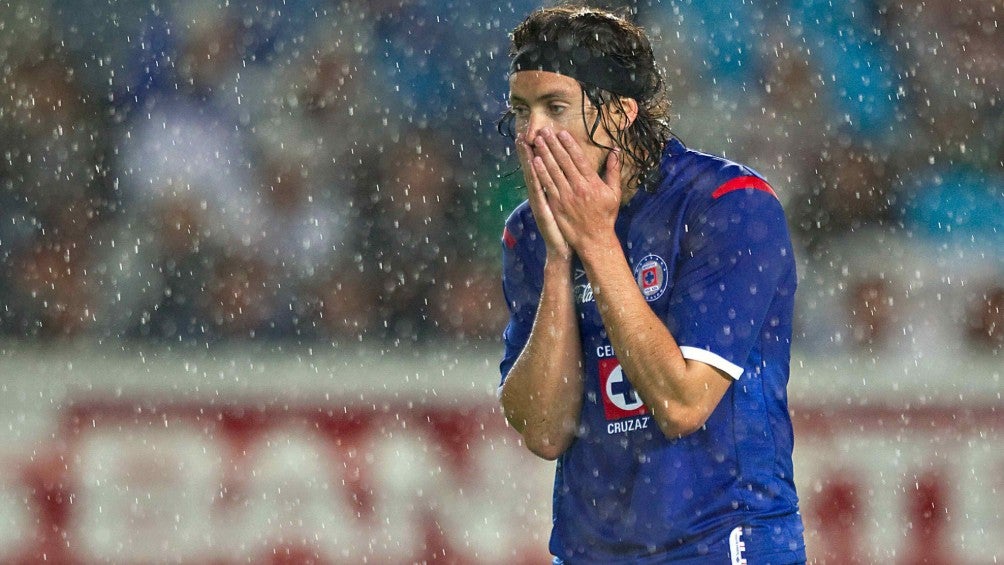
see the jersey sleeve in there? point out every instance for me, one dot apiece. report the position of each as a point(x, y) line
point(521, 286)
point(735, 261)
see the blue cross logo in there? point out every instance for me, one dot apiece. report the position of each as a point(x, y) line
point(625, 390)
point(620, 391)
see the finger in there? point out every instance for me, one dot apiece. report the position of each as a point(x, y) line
point(560, 154)
point(576, 157)
point(525, 154)
point(552, 175)
point(535, 186)
point(540, 204)
point(543, 171)
point(537, 197)
point(535, 191)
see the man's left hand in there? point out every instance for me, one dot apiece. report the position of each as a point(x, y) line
point(584, 205)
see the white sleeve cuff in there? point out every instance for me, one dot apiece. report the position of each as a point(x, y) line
point(716, 361)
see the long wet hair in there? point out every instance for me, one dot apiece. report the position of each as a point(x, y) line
point(604, 32)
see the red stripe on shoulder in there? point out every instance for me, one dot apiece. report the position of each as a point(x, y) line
point(739, 183)
point(508, 238)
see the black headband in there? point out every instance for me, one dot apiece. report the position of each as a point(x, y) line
point(596, 69)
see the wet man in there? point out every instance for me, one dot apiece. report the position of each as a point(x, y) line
point(650, 290)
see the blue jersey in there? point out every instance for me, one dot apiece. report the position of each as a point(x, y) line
point(711, 254)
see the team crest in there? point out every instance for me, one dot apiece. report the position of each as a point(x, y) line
point(619, 398)
point(650, 273)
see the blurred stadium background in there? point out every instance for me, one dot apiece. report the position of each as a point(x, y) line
point(249, 299)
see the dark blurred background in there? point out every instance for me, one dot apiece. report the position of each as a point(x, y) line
point(328, 173)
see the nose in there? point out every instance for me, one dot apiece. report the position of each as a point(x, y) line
point(535, 122)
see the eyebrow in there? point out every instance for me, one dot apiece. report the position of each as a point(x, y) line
point(550, 95)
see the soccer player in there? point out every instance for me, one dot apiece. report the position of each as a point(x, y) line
point(650, 290)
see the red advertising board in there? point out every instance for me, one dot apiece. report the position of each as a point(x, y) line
point(140, 481)
point(237, 457)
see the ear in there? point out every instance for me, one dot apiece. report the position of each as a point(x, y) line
point(630, 112)
point(631, 108)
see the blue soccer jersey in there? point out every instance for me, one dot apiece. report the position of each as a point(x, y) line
point(711, 254)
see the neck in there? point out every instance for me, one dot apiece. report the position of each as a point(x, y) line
point(629, 183)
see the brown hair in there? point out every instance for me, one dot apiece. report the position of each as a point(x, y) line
point(607, 34)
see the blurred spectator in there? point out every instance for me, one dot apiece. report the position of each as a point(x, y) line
point(329, 171)
point(320, 115)
point(871, 292)
point(960, 207)
point(985, 318)
point(424, 51)
point(870, 302)
point(415, 228)
point(719, 39)
point(308, 247)
point(52, 287)
point(882, 292)
point(851, 186)
point(342, 307)
point(954, 74)
point(187, 173)
point(958, 212)
point(467, 303)
point(854, 64)
point(705, 111)
point(320, 95)
point(239, 300)
point(122, 49)
point(50, 139)
point(51, 134)
point(787, 133)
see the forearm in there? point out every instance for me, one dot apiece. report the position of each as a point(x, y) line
point(542, 394)
point(679, 393)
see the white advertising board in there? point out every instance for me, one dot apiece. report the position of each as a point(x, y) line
point(279, 457)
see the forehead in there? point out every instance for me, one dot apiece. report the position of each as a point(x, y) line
point(529, 85)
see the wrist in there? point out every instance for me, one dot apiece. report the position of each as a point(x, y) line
point(600, 250)
point(558, 263)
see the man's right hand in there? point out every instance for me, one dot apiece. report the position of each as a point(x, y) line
point(557, 246)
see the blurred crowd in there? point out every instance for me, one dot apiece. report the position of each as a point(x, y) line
point(329, 171)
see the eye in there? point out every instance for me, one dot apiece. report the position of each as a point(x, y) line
point(519, 110)
point(557, 109)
